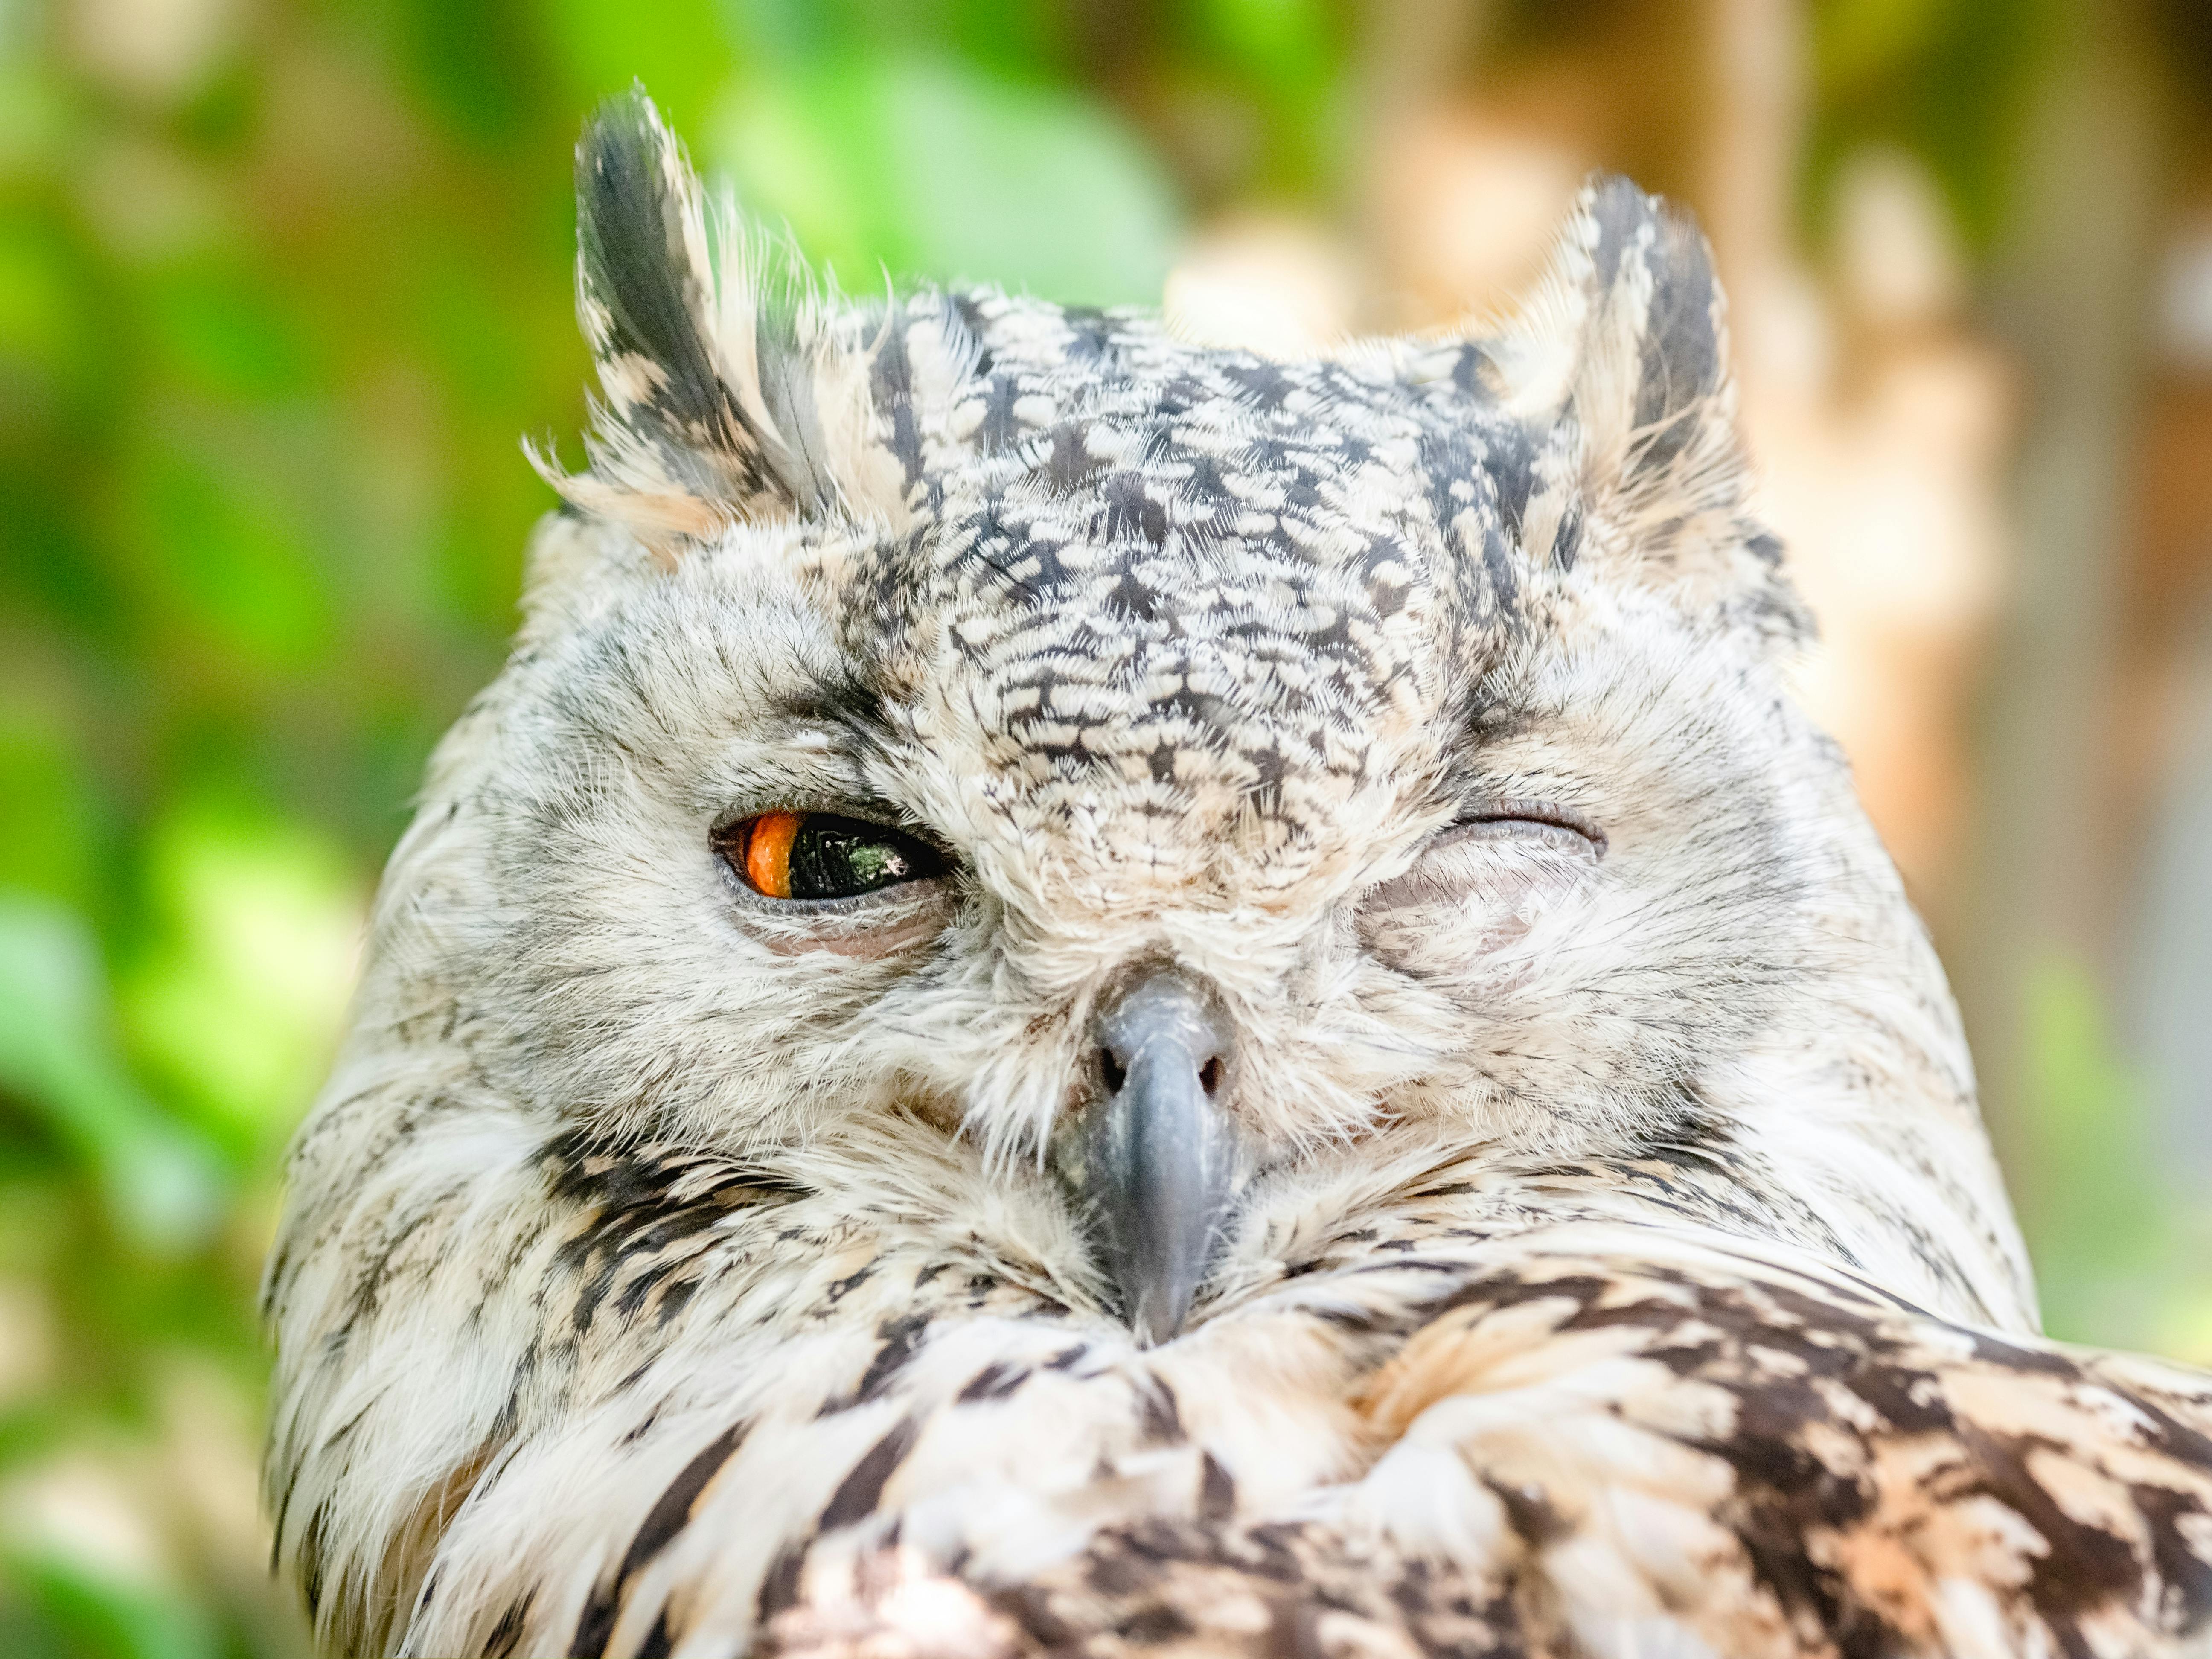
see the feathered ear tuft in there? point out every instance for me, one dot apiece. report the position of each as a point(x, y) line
point(713, 355)
point(1622, 358)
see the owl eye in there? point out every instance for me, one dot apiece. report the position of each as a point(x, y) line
point(1531, 820)
point(1498, 848)
point(819, 855)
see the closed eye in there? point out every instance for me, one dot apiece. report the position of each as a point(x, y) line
point(797, 856)
point(1539, 818)
point(1497, 848)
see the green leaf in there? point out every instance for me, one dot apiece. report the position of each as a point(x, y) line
point(2102, 1235)
point(242, 998)
point(221, 329)
point(214, 538)
point(83, 1614)
point(1857, 43)
point(677, 48)
point(42, 320)
point(57, 1056)
point(924, 165)
point(1283, 44)
point(47, 835)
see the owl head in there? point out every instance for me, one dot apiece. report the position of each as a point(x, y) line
point(1123, 802)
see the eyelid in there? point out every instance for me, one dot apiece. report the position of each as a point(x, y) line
point(1536, 811)
point(828, 803)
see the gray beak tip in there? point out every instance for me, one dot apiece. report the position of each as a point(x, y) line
point(1150, 1160)
point(1158, 1318)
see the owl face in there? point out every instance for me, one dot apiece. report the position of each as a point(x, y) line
point(1150, 775)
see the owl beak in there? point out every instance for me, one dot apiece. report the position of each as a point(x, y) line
point(1150, 1160)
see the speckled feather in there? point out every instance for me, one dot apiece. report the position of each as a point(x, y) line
point(1621, 1268)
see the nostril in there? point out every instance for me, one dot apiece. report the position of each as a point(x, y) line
point(1209, 1076)
point(1112, 1072)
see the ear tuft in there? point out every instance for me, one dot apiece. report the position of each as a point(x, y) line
point(1622, 354)
point(1653, 389)
point(709, 355)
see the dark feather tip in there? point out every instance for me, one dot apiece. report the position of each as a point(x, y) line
point(632, 257)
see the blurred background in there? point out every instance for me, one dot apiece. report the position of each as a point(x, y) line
point(284, 281)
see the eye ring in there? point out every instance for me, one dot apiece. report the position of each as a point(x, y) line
point(795, 857)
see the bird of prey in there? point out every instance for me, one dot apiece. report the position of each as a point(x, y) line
point(1083, 995)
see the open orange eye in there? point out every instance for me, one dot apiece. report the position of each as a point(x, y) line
point(768, 852)
point(820, 855)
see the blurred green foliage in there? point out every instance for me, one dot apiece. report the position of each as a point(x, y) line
point(1945, 79)
point(281, 286)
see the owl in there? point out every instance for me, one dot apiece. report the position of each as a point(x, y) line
point(1078, 994)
